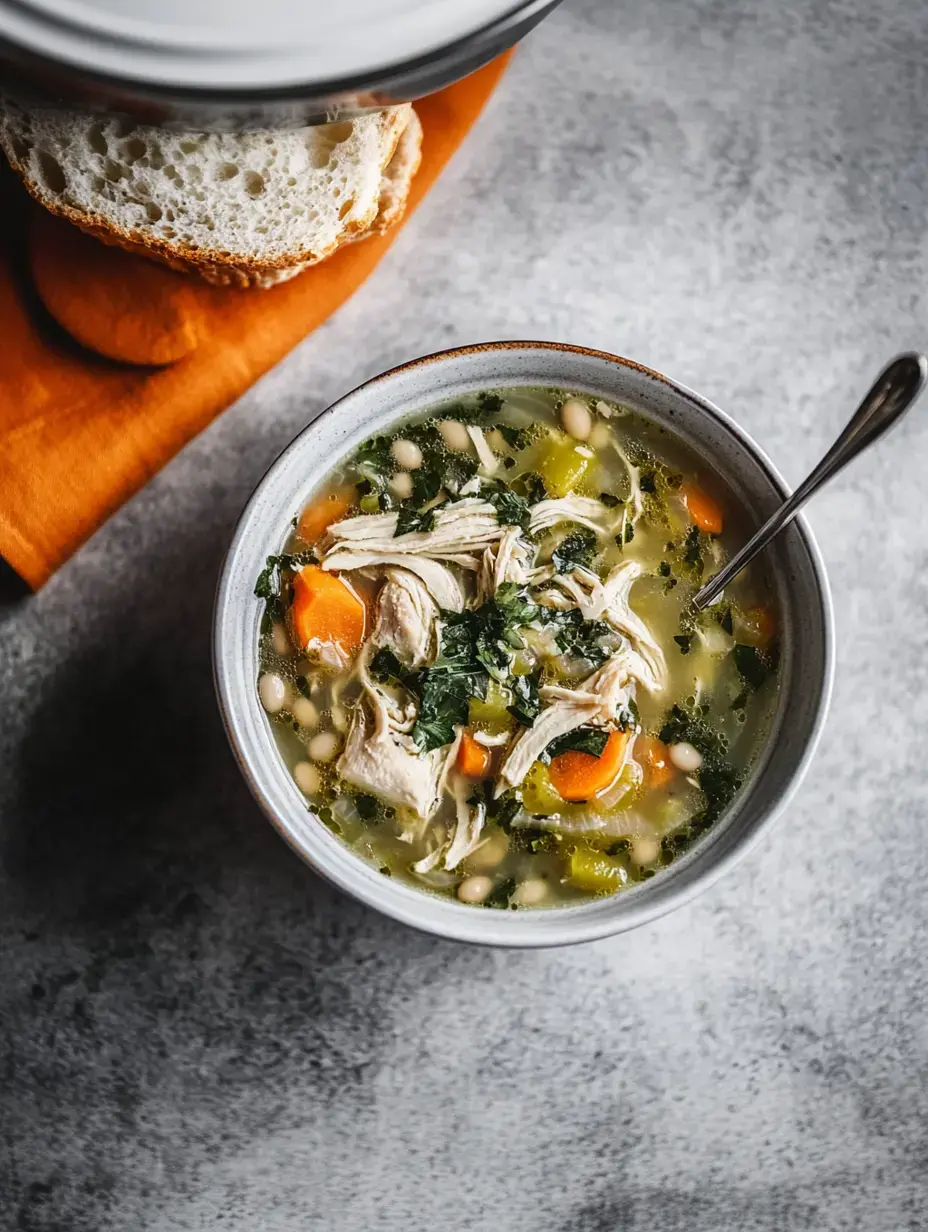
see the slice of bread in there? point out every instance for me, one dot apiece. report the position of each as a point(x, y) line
point(248, 209)
point(397, 178)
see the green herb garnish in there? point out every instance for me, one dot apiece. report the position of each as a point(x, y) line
point(576, 550)
point(590, 740)
point(527, 703)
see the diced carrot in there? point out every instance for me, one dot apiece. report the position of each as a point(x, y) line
point(578, 776)
point(654, 758)
point(318, 516)
point(756, 627)
point(325, 610)
point(473, 759)
point(705, 511)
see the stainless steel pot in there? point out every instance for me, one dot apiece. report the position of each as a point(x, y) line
point(231, 64)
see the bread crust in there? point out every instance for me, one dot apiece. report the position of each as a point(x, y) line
point(215, 266)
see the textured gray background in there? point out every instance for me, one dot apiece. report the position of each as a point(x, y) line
point(198, 1034)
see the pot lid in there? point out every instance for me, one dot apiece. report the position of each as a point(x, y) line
point(246, 44)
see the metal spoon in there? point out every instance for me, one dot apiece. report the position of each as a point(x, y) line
point(891, 395)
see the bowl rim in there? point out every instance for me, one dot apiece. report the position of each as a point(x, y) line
point(644, 911)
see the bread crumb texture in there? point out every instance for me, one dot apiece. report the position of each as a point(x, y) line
point(257, 202)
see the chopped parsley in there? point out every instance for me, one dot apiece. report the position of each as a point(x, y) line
point(511, 508)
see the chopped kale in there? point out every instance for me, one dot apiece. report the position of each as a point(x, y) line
point(609, 500)
point(725, 620)
point(647, 482)
point(577, 549)
point(664, 569)
point(629, 532)
point(409, 519)
point(368, 806)
point(272, 587)
point(741, 700)
point(302, 685)
point(751, 665)
point(515, 438)
point(579, 637)
point(581, 740)
point(473, 646)
point(527, 704)
point(692, 549)
point(535, 489)
point(674, 481)
point(426, 484)
point(386, 667)
point(628, 716)
point(511, 508)
point(490, 404)
point(501, 894)
point(684, 641)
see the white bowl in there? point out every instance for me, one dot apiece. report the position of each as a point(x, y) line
point(806, 663)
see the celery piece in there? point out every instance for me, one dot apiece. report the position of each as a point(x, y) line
point(538, 793)
point(595, 872)
point(563, 464)
point(491, 715)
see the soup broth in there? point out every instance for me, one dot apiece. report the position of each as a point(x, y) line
point(479, 658)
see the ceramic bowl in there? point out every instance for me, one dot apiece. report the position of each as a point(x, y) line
point(797, 573)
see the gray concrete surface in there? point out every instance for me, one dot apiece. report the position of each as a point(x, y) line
point(197, 1034)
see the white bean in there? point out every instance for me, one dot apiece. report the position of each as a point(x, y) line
point(305, 712)
point(490, 852)
point(474, 889)
point(496, 441)
point(406, 454)
point(323, 746)
point(645, 850)
point(530, 893)
point(340, 718)
point(576, 418)
point(279, 639)
point(307, 777)
point(400, 485)
point(685, 757)
point(601, 435)
point(455, 435)
point(273, 692)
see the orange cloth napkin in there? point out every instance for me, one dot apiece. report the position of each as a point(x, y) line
point(79, 434)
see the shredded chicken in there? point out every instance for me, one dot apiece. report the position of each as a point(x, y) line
point(406, 618)
point(505, 562)
point(440, 582)
point(386, 762)
point(487, 458)
point(596, 701)
point(609, 601)
point(580, 509)
point(461, 529)
point(471, 819)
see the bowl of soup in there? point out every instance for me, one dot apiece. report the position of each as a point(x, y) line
point(458, 662)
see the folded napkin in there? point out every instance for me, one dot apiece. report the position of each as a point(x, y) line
point(79, 434)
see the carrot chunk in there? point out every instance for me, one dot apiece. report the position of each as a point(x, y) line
point(325, 610)
point(705, 511)
point(473, 759)
point(318, 516)
point(756, 627)
point(578, 776)
point(654, 758)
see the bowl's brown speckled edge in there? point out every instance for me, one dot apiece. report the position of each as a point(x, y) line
point(806, 666)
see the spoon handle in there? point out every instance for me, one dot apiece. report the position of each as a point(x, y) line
point(890, 396)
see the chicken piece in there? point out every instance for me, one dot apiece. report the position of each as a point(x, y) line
point(406, 616)
point(440, 582)
point(596, 701)
point(471, 819)
point(506, 562)
point(635, 501)
point(580, 509)
point(488, 459)
point(385, 762)
point(609, 601)
point(461, 529)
